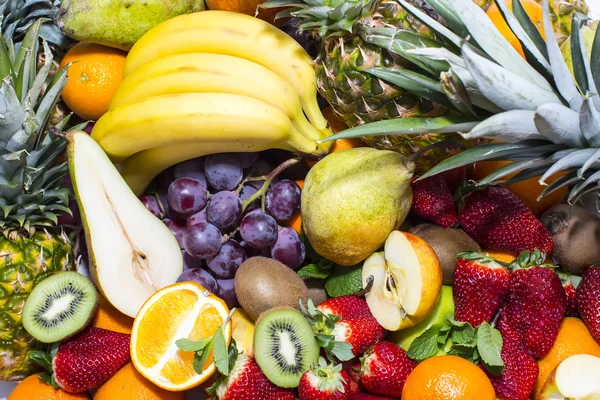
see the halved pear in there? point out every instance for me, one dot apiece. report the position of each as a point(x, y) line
point(407, 279)
point(575, 378)
point(132, 253)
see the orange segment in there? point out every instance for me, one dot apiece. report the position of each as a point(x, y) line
point(183, 310)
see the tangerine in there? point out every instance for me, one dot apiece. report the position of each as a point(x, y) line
point(33, 388)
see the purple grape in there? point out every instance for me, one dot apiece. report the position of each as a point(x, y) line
point(260, 168)
point(283, 199)
point(89, 127)
point(224, 210)
point(68, 219)
point(200, 276)
point(198, 218)
point(288, 249)
point(229, 259)
point(226, 291)
point(178, 228)
point(223, 171)
point(247, 159)
point(151, 203)
point(202, 241)
point(259, 230)
point(247, 192)
point(187, 196)
point(190, 262)
point(191, 169)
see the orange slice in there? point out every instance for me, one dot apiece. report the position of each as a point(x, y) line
point(184, 310)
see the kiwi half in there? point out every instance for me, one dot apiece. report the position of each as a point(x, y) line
point(284, 346)
point(59, 307)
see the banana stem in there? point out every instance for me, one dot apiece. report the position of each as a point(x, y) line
point(268, 179)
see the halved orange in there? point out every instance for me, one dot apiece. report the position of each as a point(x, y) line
point(183, 310)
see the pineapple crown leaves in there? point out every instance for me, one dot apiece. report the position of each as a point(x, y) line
point(323, 325)
point(534, 103)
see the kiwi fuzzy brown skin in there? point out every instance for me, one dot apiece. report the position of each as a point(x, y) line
point(316, 291)
point(447, 243)
point(263, 283)
point(576, 236)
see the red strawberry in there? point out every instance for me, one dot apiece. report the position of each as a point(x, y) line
point(324, 382)
point(385, 369)
point(352, 367)
point(536, 303)
point(496, 218)
point(344, 326)
point(454, 178)
point(367, 396)
point(588, 300)
point(247, 382)
point(86, 360)
point(520, 368)
point(479, 287)
point(570, 283)
point(433, 201)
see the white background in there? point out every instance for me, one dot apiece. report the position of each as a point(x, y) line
point(5, 388)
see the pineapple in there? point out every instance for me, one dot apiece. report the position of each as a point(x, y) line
point(546, 120)
point(31, 197)
point(561, 12)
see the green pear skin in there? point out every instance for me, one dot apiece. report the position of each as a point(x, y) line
point(352, 200)
point(118, 23)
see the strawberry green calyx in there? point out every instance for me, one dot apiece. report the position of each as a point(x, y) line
point(528, 259)
point(329, 376)
point(480, 258)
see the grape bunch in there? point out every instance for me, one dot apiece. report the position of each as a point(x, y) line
point(223, 209)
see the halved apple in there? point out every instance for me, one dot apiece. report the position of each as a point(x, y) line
point(132, 253)
point(576, 377)
point(407, 279)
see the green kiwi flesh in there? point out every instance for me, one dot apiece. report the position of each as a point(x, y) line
point(284, 346)
point(59, 307)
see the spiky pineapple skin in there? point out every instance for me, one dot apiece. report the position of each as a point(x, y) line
point(561, 12)
point(25, 262)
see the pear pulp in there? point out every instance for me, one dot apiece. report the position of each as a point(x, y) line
point(132, 253)
point(117, 23)
point(352, 200)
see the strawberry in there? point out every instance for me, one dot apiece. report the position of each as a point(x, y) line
point(385, 369)
point(520, 371)
point(570, 283)
point(588, 300)
point(247, 382)
point(344, 326)
point(479, 287)
point(352, 367)
point(324, 382)
point(536, 302)
point(86, 360)
point(433, 201)
point(498, 219)
point(455, 178)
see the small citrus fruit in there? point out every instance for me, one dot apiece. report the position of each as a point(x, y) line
point(532, 8)
point(500, 255)
point(447, 378)
point(128, 383)
point(94, 77)
point(33, 388)
point(573, 338)
point(110, 318)
point(183, 310)
point(296, 221)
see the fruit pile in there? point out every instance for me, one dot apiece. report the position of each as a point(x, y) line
point(325, 200)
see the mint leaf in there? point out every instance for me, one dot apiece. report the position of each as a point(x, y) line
point(192, 345)
point(315, 271)
point(344, 281)
point(456, 324)
point(464, 335)
point(201, 357)
point(425, 345)
point(221, 352)
point(489, 346)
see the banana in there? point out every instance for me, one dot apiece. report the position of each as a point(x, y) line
point(139, 169)
point(194, 117)
point(214, 73)
point(236, 35)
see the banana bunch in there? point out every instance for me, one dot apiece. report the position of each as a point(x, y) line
point(210, 82)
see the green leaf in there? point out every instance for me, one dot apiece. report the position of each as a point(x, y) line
point(425, 345)
point(579, 57)
point(221, 353)
point(464, 335)
point(489, 346)
point(507, 126)
point(433, 24)
point(5, 64)
point(444, 9)
point(595, 59)
point(342, 351)
point(344, 281)
point(529, 27)
point(315, 271)
point(43, 358)
point(457, 93)
point(201, 357)
point(192, 345)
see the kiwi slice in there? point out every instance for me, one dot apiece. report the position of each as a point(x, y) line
point(59, 306)
point(284, 346)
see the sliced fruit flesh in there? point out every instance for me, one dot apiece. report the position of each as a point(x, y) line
point(402, 260)
point(579, 377)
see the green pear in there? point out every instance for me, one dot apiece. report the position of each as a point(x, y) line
point(352, 200)
point(118, 23)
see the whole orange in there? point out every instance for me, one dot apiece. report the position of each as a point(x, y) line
point(33, 388)
point(110, 318)
point(130, 384)
point(249, 7)
point(94, 77)
point(573, 338)
point(532, 8)
point(447, 378)
point(296, 221)
point(528, 190)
